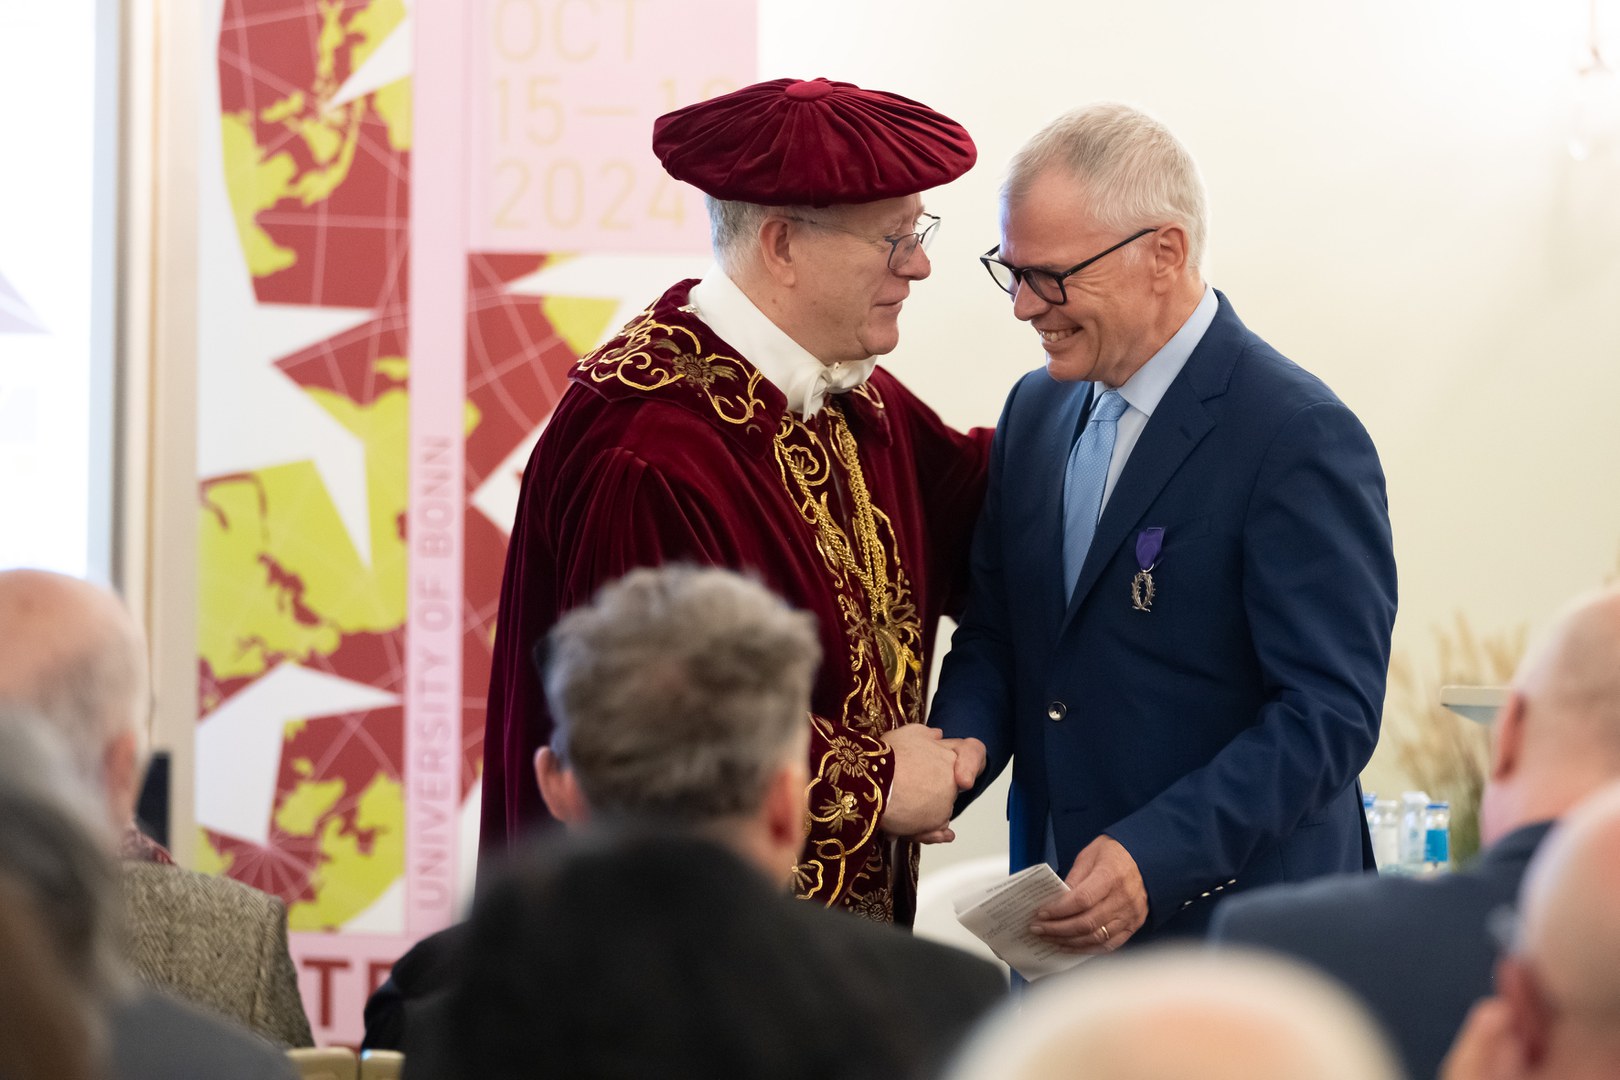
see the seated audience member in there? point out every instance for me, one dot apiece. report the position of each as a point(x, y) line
point(55, 865)
point(71, 654)
point(661, 940)
point(1180, 1012)
point(1556, 1011)
point(1419, 952)
point(58, 914)
point(50, 1028)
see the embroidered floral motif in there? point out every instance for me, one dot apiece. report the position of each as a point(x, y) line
point(807, 879)
point(649, 355)
point(844, 758)
point(841, 810)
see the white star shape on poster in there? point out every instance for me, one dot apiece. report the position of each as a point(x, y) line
point(250, 415)
point(238, 748)
point(393, 59)
point(634, 281)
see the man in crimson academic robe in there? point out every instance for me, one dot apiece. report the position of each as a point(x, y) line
point(741, 421)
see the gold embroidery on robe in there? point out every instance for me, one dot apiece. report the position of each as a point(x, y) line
point(878, 612)
point(884, 636)
point(649, 355)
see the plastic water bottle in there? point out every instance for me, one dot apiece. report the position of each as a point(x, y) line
point(1437, 838)
point(1369, 799)
point(1414, 808)
point(1386, 835)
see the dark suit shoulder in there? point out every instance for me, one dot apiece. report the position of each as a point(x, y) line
point(155, 1037)
point(928, 968)
point(1341, 906)
point(1417, 952)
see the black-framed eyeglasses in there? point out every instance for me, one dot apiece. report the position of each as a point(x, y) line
point(901, 247)
point(1046, 284)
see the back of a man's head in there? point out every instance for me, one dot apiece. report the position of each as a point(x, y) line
point(1174, 1013)
point(1563, 973)
point(53, 856)
point(678, 693)
point(71, 654)
point(1558, 736)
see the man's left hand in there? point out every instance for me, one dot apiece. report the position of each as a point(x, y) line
point(1107, 901)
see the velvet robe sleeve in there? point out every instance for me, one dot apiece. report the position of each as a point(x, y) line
point(618, 511)
point(952, 468)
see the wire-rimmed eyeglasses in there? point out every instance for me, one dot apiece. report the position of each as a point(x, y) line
point(1046, 284)
point(901, 247)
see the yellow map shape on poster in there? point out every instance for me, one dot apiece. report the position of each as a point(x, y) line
point(356, 869)
point(258, 177)
point(277, 574)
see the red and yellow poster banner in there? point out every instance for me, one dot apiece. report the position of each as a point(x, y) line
point(413, 219)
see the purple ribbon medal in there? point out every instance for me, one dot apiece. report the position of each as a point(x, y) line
point(1149, 542)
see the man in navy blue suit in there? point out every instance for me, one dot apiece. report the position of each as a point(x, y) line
point(1178, 630)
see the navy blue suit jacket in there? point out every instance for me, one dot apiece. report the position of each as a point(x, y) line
point(1218, 736)
point(1418, 953)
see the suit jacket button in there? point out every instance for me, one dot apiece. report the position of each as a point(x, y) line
point(1056, 711)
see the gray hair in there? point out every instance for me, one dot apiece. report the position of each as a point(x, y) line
point(734, 227)
point(54, 854)
point(678, 692)
point(1135, 172)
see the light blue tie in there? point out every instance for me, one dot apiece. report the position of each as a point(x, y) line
point(1083, 483)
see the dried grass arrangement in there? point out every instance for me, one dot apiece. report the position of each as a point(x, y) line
point(1440, 752)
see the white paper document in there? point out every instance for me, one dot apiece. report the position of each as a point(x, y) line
point(1000, 916)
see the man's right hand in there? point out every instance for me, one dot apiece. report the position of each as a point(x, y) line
point(924, 789)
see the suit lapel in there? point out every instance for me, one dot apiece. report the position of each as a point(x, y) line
point(1178, 424)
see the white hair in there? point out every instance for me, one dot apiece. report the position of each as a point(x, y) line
point(1150, 1015)
point(1135, 172)
point(734, 227)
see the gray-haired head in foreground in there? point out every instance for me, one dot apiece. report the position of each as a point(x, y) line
point(1176, 1012)
point(52, 852)
point(677, 692)
point(1136, 173)
point(71, 654)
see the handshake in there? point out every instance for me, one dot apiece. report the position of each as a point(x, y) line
point(929, 772)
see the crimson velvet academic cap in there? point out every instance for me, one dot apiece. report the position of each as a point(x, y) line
point(794, 142)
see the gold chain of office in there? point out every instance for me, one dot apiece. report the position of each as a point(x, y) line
point(895, 655)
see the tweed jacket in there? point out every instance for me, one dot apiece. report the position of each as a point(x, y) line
point(216, 943)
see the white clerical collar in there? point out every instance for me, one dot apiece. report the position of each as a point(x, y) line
point(803, 380)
